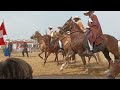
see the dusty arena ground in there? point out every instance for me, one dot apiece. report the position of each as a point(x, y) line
point(73, 71)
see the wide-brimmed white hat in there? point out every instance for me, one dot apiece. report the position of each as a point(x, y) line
point(50, 27)
point(87, 12)
point(76, 17)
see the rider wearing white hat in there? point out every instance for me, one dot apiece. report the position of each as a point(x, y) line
point(50, 27)
point(95, 36)
point(51, 32)
point(79, 23)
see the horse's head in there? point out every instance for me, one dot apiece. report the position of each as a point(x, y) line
point(71, 26)
point(67, 26)
point(36, 35)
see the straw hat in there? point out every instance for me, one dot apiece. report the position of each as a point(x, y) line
point(87, 12)
point(76, 17)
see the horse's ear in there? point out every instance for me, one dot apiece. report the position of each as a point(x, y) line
point(71, 18)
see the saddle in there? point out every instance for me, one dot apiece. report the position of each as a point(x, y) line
point(98, 44)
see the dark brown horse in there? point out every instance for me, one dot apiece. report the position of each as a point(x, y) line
point(77, 47)
point(66, 40)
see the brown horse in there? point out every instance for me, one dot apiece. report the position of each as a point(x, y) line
point(66, 40)
point(77, 47)
point(46, 47)
point(53, 48)
point(41, 41)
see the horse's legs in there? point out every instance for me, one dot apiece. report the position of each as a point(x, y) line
point(95, 58)
point(45, 54)
point(84, 61)
point(89, 57)
point(46, 58)
point(107, 56)
point(69, 54)
point(40, 55)
point(73, 58)
point(56, 57)
point(63, 53)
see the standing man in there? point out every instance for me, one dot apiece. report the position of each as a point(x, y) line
point(10, 47)
point(95, 36)
point(25, 48)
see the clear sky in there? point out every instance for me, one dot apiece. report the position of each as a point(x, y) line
point(22, 24)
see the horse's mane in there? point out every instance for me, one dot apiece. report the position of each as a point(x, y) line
point(47, 38)
point(76, 25)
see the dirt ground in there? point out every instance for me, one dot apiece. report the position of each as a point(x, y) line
point(52, 71)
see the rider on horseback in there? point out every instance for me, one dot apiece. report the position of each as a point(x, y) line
point(79, 23)
point(95, 35)
point(51, 33)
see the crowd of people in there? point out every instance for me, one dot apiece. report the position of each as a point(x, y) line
point(8, 49)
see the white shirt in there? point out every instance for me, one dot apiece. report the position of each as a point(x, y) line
point(90, 20)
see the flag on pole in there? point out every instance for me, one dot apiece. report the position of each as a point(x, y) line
point(2, 42)
point(2, 33)
point(2, 27)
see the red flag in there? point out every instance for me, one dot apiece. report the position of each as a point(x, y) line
point(2, 42)
point(1, 38)
point(2, 27)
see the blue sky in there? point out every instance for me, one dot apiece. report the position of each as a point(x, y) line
point(22, 24)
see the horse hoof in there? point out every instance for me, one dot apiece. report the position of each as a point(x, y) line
point(106, 72)
point(61, 69)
